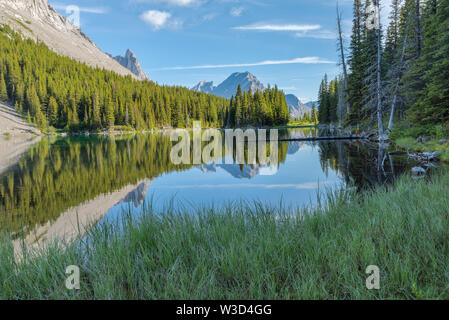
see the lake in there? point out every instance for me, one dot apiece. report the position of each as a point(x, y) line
point(61, 184)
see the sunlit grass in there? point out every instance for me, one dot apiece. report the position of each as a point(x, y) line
point(253, 252)
point(301, 123)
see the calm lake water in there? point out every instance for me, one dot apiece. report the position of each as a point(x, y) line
point(65, 182)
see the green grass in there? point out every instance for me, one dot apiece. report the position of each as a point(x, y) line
point(253, 252)
point(300, 123)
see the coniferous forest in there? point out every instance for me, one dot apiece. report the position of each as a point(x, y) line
point(55, 91)
point(392, 74)
point(266, 108)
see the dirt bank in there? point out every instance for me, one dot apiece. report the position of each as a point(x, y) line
point(16, 136)
point(12, 124)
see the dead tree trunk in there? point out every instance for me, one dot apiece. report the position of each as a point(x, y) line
point(418, 28)
point(379, 79)
point(396, 88)
point(343, 61)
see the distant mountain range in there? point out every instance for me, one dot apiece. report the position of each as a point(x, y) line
point(228, 88)
point(248, 81)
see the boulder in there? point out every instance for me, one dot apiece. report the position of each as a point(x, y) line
point(431, 156)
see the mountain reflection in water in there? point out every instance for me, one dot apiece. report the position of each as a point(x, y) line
point(63, 181)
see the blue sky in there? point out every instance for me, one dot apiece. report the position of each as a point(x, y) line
point(290, 43)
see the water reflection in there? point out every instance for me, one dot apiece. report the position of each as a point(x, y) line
point(63, 183)
point(363, 164)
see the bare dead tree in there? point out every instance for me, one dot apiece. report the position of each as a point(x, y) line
point(343, 61)
point(379, 76)
point(418, 27)
point(396, 88)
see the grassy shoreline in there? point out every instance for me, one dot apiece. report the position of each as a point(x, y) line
point(433, 145)
point(254, 252)
point(422, 138)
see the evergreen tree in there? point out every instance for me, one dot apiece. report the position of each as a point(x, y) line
point(324, 101)
point(53, 111)
point(3, 89)
point(314, 114)
point(238, 106)
point(333, 100)
point(109, 112)
point(432, 105)
point(356, 63)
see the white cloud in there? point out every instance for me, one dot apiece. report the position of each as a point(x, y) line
point(319, 34)
point(280, 27)
point(304, 60)
point(300, 30)
point(159, 19)
point(237, 11)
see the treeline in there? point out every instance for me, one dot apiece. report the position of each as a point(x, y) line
point(56, 91)
point(307, 118)
point(258, 108)
point(400, 74)
point(72, 95)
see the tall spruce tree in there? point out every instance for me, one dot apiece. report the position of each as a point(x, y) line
point(3, 89)
point(432, 104)
point(356, 63)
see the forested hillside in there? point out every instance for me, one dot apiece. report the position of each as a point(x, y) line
point(56, 91)
point(400, 75)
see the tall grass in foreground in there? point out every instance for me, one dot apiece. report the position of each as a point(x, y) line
point(253, 252)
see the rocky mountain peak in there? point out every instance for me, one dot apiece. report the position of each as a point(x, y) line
point(130, 62)
point(39, 11)
point(228, 88)
point(204, 86)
